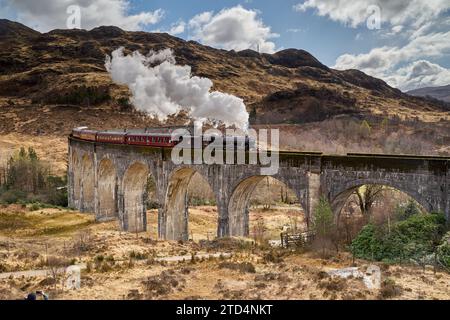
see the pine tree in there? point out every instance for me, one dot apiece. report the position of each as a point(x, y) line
point(323, 222)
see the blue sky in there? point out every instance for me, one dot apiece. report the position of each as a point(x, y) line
point(322, 37)
point(409, 47)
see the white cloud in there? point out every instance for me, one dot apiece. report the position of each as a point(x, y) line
point(177, 28)
point(398, 12)
point(45, 15)
point(397, 29)
point(419, 74)
point(386, 58)
point(388, 62)
point(235, 28)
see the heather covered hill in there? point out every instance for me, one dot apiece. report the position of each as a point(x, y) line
point(52, 82)
point(67, 67)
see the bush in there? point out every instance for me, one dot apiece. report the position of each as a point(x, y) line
point(389, 289)
point(244, 267)
point(413, 239)
point(368, 244)
point(404, 212)
point(12, 196)
point(443, 251)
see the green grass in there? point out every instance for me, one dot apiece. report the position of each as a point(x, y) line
point(44, 224)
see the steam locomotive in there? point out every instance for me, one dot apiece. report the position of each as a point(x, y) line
point(159, 138)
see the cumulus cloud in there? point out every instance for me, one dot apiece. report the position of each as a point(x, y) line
point(387, 62)
point(398, 12)
point(387, 57)
point(45, 15)
point(161, 88)
point(419, 74)
point(234, 28)
point(175, 28)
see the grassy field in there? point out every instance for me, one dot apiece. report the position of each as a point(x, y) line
point(122, 265)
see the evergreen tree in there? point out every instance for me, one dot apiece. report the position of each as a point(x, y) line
point(323, 222)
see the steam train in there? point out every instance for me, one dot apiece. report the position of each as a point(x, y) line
point(158, 138)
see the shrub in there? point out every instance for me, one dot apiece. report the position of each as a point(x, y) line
point(273, 257)
point(138, 255)
point(333, 284)
point(404, 212)
point(12, 196)
point(389, 289)
point(443, 251)
point(413, 239)
point(244, 267)
point(368, 244)
point(161, 284)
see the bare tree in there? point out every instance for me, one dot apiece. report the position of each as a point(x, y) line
point(367, 195)
point(56, 266)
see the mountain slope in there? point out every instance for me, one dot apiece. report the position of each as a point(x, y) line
point(440, 93)
point(61, 74)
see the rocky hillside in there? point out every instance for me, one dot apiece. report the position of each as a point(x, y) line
point(50, 82)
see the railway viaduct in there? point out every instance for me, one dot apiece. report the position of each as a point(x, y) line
point(110, 181)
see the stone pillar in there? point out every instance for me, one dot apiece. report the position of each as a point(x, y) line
point(223, 224)
point(121, 210)
point(185, 232)
point(313, 195)
point(96, 198)
point(161, 224)
point(445, 194)
point(70, 180)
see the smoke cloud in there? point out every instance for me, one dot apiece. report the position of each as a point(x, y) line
point(160, 87)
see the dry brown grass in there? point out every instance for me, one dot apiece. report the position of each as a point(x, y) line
point(112, 276)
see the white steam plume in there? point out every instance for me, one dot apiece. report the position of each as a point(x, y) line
point(161, 88)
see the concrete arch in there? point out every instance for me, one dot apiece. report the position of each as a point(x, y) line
point(238, 212)
point(175, 217)
point(87, 184)
point(338, 201)
point(107, 191)
point(134, 216)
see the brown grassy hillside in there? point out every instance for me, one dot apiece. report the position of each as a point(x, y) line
point(52, 82)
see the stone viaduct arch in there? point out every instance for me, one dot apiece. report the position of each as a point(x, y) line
point(240, 197)
point(134, 197)
point(106, 191)
point(349, 187)
point(110, 181)
point(175, 213)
